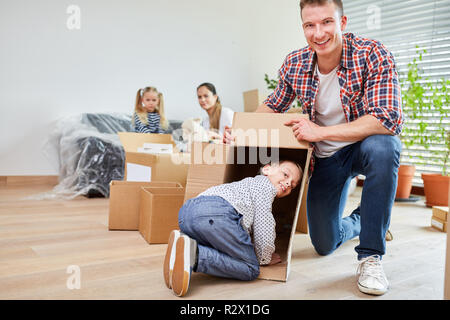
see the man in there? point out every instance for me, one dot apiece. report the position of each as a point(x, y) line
point(349, 87)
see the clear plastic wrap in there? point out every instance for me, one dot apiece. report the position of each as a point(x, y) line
point(89, 154)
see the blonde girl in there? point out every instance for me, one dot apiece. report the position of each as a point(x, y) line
point(149, 114)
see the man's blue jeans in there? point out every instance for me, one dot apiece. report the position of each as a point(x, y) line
point(377, 158)
point(225, 249)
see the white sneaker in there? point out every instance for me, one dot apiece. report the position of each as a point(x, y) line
point(185, 253)
point(169, 259)
point(372, 279)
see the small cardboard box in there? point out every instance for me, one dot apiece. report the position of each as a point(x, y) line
point(260, 137)
point(252, 100)
point(440, 212)
point(439, 224)
point(159, 208)
point(146, 167)
point(124, 202)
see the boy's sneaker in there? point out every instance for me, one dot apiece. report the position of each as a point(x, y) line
point(185, 252)
point(169, 259)
point(372, 279)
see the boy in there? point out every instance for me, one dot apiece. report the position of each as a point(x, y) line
point(218, 225)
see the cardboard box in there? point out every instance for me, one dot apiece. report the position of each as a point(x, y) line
point(146, 167)
point(440, 212)
point(252, 100)
point(439, 224)
point(159, 208)
point(124, 202)
point(259, 137)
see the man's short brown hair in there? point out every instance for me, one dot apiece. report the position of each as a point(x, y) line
point(337, 3)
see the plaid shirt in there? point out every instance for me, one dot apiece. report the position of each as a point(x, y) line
point(367, 76)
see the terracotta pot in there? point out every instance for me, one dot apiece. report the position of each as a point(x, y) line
point(436, 189)
point(404, 181)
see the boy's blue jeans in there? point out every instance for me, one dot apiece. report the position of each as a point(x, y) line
point(225, 249)
point(377, 158)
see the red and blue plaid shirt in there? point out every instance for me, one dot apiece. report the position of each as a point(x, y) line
point(367, 76)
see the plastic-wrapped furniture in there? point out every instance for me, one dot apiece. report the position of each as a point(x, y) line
point(89, 153)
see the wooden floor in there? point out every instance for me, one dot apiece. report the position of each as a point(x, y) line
point(40, 239)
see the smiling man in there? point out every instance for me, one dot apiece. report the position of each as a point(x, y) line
point(349, 87)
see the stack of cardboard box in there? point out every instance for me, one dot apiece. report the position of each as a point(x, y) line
point(152, 192)
point(439, 218)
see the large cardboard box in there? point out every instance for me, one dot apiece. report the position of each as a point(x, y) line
point(124, 202)
point(159, 208)
point(146, 167)
point(260, 138)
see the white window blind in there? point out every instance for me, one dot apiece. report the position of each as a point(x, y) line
point(401, 26)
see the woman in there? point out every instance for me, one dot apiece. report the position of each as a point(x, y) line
point(218, 116)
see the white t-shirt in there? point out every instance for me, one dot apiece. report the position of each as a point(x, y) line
point(328, 111)
point(226, 119)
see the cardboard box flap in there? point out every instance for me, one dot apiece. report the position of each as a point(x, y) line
point(266, 130)
point(207, 169)
point(131, 141)
point(304, 224)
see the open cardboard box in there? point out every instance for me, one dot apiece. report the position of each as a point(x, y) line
point(124, 202)
point(155, 167)
point(159, 208)
point(260, 137)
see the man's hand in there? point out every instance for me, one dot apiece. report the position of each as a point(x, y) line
point(275, 259)
point(227, 137)
point(305, 130)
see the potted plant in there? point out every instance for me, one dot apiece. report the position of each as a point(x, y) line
point(272, 84)
point(424, 99)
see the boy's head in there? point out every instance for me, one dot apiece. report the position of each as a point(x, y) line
point(284, 175)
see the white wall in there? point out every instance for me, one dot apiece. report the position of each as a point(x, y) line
point(48, 71)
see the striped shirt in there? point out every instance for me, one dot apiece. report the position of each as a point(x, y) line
point(252, 198)
point(367, 77)
point(153, 125)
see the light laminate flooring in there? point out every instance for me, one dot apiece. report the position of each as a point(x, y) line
point(41, 239)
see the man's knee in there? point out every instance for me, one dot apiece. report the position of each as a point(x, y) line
point(324, 247)
point(324, 250)
point(380, 148)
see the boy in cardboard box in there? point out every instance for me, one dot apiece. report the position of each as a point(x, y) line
point(217, 228)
